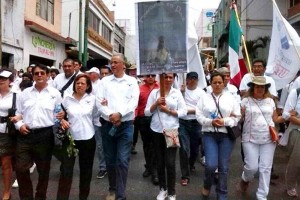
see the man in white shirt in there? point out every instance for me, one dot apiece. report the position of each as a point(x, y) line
point(258, 69)
point(62, 79)
point(94, 74)
point(189, 128)
point(35, 142)
point(121, 92)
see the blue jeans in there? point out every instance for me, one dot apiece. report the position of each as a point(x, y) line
point(189, 137)
point(217, 150)
point(117, 151)
point(99, 145)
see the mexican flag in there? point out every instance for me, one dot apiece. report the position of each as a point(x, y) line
point(235, 56)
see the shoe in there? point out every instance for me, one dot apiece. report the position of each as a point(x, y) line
point(155, 180)
point(146, 173)
point(15, 184)
point(172, 197)
point(244, 186)
point(133, 151)
point(202, 160)
point(32, 168)
point(192, 168)
point(292, 192)
point(274, 176)
point(205, 193)
point(184, 182)
point(163, 194)
point(110, 196)
point(101, 174)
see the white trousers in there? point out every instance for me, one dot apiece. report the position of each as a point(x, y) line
point(259, 157)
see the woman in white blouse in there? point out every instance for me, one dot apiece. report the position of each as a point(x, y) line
point(165, 113)
point(217, 145)
point(80, 109)
point(6, 140)
point(259, 111)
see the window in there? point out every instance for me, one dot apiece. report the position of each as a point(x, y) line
point(94, 21)
point(294, 2)
point(45, 9)
point(106, 32)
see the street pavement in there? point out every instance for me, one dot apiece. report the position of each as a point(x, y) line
point(139, 188)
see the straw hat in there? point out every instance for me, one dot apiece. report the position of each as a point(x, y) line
point(259, 80)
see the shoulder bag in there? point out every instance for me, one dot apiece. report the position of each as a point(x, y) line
point(10, 126)
point(233, 132)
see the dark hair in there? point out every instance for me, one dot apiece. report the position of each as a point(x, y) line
point(105, 67)
point(56, 71)
point(11, 77)
point(259, 60)
point(214, 74)
point(250, 92)
point(28, 75)
point(41, 66)
point(88, 82)
point(68, 59)
point(78, 61)
point(25, 84)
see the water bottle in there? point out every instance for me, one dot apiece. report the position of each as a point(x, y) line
point(213, 115)
point(57, 109)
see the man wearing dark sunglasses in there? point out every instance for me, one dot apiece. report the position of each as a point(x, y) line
point(35, 141)
point(142, 123)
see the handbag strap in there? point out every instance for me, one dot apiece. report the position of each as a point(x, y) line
point(14, 101)
point(261, 111)
point(68, 84)
point(217, 104)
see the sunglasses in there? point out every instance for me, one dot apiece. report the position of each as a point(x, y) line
point(42, 73)
point(151, 75)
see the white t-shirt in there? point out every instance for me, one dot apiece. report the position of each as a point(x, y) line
point(258, 118)
point(191, 98)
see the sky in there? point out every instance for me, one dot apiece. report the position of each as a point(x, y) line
point(125, 9)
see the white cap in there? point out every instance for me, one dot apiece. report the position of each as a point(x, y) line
point(94, 69)
point(5, 74)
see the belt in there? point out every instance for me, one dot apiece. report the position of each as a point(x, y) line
point(103, 121)
point(38, 130)
point(3, 119)
point(188, 120)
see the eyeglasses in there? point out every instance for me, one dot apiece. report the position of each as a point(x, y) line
point(42, 73)
point(115, 62)
point(150, 75)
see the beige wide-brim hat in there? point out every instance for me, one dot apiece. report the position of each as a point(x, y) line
point(259, 80)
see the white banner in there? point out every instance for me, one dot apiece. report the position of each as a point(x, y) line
point(283, 61)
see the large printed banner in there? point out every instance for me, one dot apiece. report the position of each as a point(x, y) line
point(162, 37)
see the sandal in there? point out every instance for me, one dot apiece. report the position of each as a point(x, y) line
point(292, 192)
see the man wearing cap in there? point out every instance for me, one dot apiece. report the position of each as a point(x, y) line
point(142, 123)
point(189, 128)
point(258, 69)
point(227, 86)
point(94, 74)
point(36, 105)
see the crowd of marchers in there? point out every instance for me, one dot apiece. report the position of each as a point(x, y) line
point(101, 111)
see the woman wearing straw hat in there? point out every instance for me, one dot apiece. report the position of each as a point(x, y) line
point(259, 112)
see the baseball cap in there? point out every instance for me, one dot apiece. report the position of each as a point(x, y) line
point(5, 74)
point(192, 74)
point(94, 69)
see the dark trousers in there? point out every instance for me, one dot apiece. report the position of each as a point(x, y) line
point(86, 158)
point(117, 151)
point(35, 147)
point(166, 158)
point(189, 137)
point(143, 124)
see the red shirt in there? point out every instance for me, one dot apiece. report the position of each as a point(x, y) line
point(145, 91)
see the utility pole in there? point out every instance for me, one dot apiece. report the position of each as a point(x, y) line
point(85, 39)
point(80, 32)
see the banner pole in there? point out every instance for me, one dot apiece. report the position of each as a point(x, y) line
point(243, 38)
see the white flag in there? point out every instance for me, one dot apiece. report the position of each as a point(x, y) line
point(283, 62)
